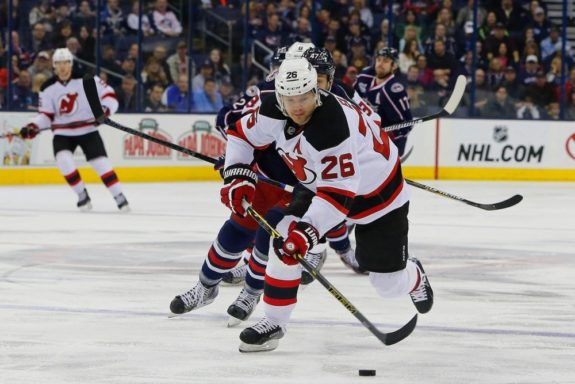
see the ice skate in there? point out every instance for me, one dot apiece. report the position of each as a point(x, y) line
point(197, 297)
point(316, 261)
point(422, 296)
point(243, 307)
point(236, 275)
point(84, 201)
point(348, 259)
point(122, 203)
point(261, 337)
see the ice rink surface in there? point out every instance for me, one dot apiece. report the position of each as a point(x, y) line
point(84, 296)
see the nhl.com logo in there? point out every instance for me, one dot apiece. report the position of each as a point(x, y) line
point(500, 133)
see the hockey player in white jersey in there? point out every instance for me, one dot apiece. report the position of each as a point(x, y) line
point(355, 172)
point(65, 109)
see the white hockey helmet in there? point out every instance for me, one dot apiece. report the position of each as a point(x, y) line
point(297, 49)
point(62, 54)
point(295, 77)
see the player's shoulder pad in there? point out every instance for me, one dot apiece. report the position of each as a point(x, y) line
point(48, 83)
point(328, 126)
point(347, 90)
point(269, 108)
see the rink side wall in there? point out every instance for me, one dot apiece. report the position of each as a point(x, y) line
point(457, 149)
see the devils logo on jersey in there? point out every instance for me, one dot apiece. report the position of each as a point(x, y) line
point(67, 103)
point(297, 164)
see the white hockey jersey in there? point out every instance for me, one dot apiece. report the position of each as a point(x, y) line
point(341, 155)
point(64, 106)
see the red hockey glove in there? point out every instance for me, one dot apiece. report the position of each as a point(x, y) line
point(239, 184)
point(301, 237)
point(29, 132)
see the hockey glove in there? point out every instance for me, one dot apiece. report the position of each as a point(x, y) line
point(29, 132)
point(301, 237)
point(239, 184)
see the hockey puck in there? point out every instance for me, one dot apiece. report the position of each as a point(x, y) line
point(367, 372)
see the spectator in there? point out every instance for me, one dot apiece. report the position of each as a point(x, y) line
point(410, 34)
point(554, 73)
point(61, 15)
point(179, 61)
point(39, 41)
point(540, 25)
point(365, 13)
point(208, 99)
point(340, 62)
point(553, 111)
point(42, 13)
point(425, 76)
point(512, 18)
point(176, 97)
point(273, 34)
point(532, 48)
point(482, 91)
point(541, 93)
point(73, 46)
point(511, 82)
point(552, 44)
point(330, 44)
point(85, 16)
point(440, 60)
point(206, 71)
point(528, 74)
point(221, 70)
point(528, 111)
point(500, 106)
point(445, 18)
point(497, 37)
point(113, 20)
point(37, 81)
point(22, 96)
point(24, 58)
point(488, 26)
point(88, 44)
point(153, 73)
point(503, 55)
point(153, 102)
point(496, 73)
point(357, 53)
point(301, 31)
point(126, 94)
point(159, 53)
point(408, 56)
point(165, 21)
point(440, 35)
point(383, 34)
point(63, 32)
point(42, 65)
point(108, 61)
point(408, 20)
point(465, 14)
point(133, 21)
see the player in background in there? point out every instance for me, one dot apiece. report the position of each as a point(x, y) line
point(64, 108)
point(239, 232)
point(378, 85)
point(355, 172)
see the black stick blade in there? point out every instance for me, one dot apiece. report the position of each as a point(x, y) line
point(396, 336)
point(89, 85)
point(513, 200)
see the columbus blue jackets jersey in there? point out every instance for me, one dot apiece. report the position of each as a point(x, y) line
point(389, 98)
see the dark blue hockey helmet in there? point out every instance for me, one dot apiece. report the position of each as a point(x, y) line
point(321, 60)
point(388, 52)
point(278, 57)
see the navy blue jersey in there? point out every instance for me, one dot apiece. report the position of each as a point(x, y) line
point(389, 98)
point(268, 161)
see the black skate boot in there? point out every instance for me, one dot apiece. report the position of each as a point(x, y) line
point(422, 296)
point(348, 259)
point(236, 275)
point(122, 203)
point(261, 337)
point(243, 307)
point(84, 201)
point(197, 297)
point(315, 260)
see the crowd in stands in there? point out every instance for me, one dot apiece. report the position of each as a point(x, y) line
point(517, 68)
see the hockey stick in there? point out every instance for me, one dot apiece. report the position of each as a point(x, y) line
point(10, 134)
point(513, 200)
point(385, 338)
point(448, 108)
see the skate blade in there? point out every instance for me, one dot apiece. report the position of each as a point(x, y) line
point(86, 207)
point(233, 321)
point(270, 345)
point(174, 315)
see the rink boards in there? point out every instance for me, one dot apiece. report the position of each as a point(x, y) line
point(442, 149)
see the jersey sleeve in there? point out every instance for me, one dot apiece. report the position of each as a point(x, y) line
point(107, 96)
point(337, 183)
point(252, 131)
point(46, 110)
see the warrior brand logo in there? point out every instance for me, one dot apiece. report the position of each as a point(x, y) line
point(570, 146)
point(297, 164)
point(500, 134)
point(68, 103)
